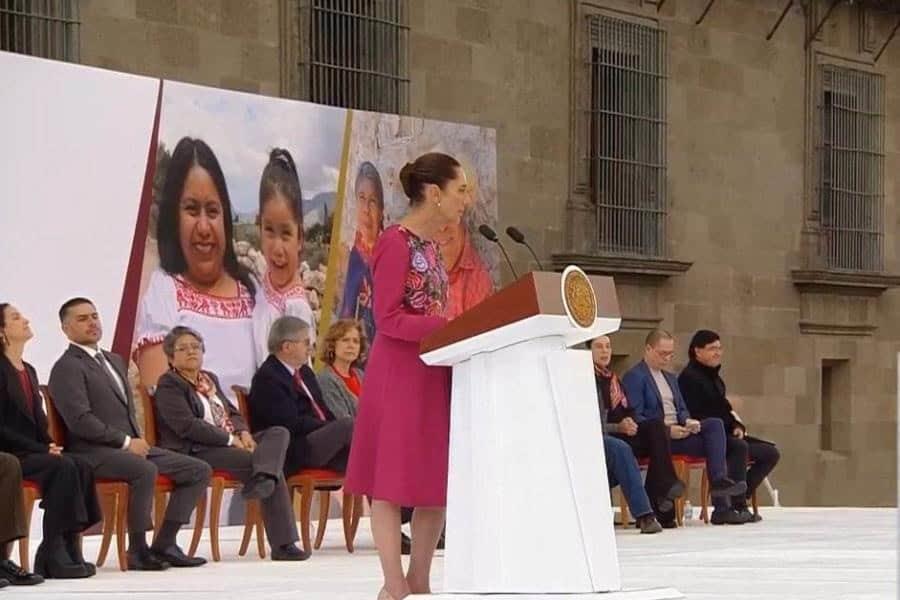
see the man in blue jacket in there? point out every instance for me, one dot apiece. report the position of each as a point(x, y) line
point(654, 394)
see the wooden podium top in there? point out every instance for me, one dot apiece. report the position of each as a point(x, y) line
point(533, 294)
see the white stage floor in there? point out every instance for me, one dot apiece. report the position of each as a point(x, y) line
point(794, 554)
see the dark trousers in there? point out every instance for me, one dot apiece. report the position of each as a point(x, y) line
point(190, 476)
point(69, 498)
point(328, 447)
point(12, 509)
point(622, 469)
point(725, 455)
point(764, 457)
point(267, 459)
point(652, 442)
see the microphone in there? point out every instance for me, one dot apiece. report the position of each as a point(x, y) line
point(519, 238)
point(491, 235)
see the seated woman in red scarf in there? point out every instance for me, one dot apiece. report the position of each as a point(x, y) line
point(649, 439)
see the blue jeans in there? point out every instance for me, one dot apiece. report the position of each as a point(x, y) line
point(710, 444)
point(622, 469)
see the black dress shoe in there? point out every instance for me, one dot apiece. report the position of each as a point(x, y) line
point(648, 524)
point(289, 552)
point(405, 544)
point(73, 548)
point(176, 558)
point(668, 524)
point(261, 486)
point(16, 575)
point(144, 560)
point(51, 561)
point(726, 517)
point(727, 487)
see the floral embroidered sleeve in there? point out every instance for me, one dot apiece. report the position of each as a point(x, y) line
point(398, 314)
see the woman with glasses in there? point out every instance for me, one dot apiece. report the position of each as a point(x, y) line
point(194, 417)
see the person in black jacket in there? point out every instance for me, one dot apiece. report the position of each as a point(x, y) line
point(285, 392)
point(704, 392)
point(66, 482)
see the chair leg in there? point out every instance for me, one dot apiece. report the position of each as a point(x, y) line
point(260, 532)
point(623, 509)
point(307, 491)
point(30, 497)
point(199, 518)
point(249, 522)
point(215, 507)
point(108, 509)
point(122, 499)
point(358, 507)
point(159, 510)
point(704, 497)
point(684, 474)
point(348, 506)
point(324, 506)
point(754, 502)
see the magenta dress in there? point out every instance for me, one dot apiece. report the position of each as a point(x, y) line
point(401, 438)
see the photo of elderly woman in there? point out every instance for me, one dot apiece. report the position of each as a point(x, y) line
point(199, 282)
point(357, 300)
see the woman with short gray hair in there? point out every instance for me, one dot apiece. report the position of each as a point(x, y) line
point(194, 417)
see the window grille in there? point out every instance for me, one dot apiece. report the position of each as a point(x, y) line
point(628, 135)
point(850, 183)
point(45, 28)
point(355, 54)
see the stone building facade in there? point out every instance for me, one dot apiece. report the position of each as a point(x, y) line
point(740, 241)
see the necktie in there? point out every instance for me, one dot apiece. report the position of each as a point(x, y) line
point(300, 385)
point(107, 368)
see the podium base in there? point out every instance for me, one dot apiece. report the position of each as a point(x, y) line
point(666, 593)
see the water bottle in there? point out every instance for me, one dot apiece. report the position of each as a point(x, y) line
point(688, 511)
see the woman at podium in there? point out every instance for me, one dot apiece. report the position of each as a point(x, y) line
point(399, 454)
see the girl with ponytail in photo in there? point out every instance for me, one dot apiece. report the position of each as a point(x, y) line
point(280, 220)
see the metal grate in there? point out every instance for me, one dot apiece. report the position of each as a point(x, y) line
point(45, 28)
point(627, 135)
point(851, 168)
point(356, 55)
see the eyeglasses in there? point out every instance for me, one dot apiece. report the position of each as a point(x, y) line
point(664, 353)
point(189, 348)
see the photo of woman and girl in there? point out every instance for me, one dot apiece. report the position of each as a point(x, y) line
point(201, 284)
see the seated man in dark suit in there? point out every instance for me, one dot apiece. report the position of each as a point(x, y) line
point(285, 392)
point(90, 389)
point(654, 394)
point(196, 418)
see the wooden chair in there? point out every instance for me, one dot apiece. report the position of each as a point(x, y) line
point(218, 483)
point(113, 494)
point(164, 485)
point(307, 482)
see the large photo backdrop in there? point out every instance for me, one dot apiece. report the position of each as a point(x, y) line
point(168, 203)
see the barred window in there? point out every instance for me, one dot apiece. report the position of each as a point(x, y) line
point(628, 135)
point(356, 54)
point(850, 149)
point(45, 28)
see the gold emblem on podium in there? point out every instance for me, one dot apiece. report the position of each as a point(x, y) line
point(579, 298)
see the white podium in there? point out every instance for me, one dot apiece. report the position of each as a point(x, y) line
point(528, 507)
